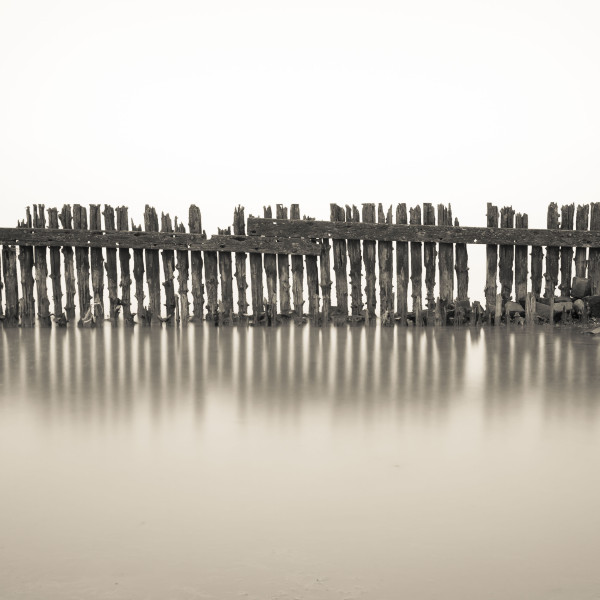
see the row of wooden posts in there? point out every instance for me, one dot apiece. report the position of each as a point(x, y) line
point(420, 248)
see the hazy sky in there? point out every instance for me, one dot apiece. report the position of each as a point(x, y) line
point(220, 103)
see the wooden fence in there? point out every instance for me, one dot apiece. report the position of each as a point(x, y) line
point(414, 254)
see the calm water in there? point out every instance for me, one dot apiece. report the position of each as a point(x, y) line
point(299, 463)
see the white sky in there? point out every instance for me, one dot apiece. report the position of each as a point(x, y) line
point(219, 103)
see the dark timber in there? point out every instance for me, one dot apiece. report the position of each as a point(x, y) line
point(491, 286)
point(138, 275)
point(283, 271)
point(368, 216)
point(27, 301)
point(416, 269)
point(552, 252)
point(168, 260)
point(429, 258)
point(11, 286)
point(182, 279)
point(402, 268)
point(521, 222)
point(566, 252)
point(97, 264)
point(82, 264)
point(385, 258)
point(66, 221)
point(340, 266)
point(124, 258)
point(41, 270)
point(594, 255)
point(271, 275)
point(462, 271)
point(507, 257)
point(225, 272)
point(195, 224)
point(355, 257)
point(239, 228)
point(111, 267)
point(297, 272)
point(152, 268)
point(583, 215)
point(446, 262)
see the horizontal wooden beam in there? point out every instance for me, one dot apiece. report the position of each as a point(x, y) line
point(157, 241)
point(422, 233)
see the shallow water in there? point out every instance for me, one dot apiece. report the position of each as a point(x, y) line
point(344, 463)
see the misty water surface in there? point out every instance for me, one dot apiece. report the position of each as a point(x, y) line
point(344, 463)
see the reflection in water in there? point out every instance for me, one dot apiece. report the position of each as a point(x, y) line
point(299, 462)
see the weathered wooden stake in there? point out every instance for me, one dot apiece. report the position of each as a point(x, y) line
point(368, 216)
point(416, 269)
point(507, 256)
point(11, 286)
point(82, 263)
point(168, 261)
point(340, 264)
point(498, 310)
point(59, 316)
point(594, 253)
point(583, 215)
point(182, 279)
point(325, 264)
point(195, 226)
point(385, 258)
point(521, 222)
point(491, 285)
point(270, 261)
point(283, 269)
point(551, 275)
point(225, 271)
point(143, 314)
point(239, 228)
point(297, 272)
point(402, 269)
point(446, 262)
point(97, 264)
point(66, 221)
point(211, 276)
point(124, 257)
point(429, 259)
point(41, 270)
point(355, 257)
point(566, 252)
point(152, 268)
point(312, 285)
point(111, 268)
point(462, 271)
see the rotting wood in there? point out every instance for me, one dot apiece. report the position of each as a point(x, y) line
point(566, 252)
point(416, 269)
point(112, 277)
point(27, 300)
point(82, 265)
point(521, 222)
point(124, 258)
point(66, 220)
point(594, 254)
point(491, 285)
point(297, 272)
point(182, 279)
point(340, 264)
point(11, 286)
point(552, 252)
point(312, 284)
point(402, 268)
point(211, 277)
point(385, 259)
point(55, 277)
point(368, 217)
point(355, 258)
point(168, 261)
point(138, 275)
point(583, 215)
point(498, 310)
point(225, 271)
point(283, 271)
point(446, 263)
point(270, 264)
point(462, 271)
point(429, 259)
point(152, 268)
point(256, 285)
point(325, 272)
point(195, 227)
point(239, 228)
point(97, 268)
point(506, 257)
point(41, 270)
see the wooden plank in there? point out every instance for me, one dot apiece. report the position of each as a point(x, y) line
point(583, 215)
point(506, 257)
point(11, 286)
point(41, 270)
point(297, 272)
point(27, 300)
point(225, 271)
point(211, 277)
point(368, 217)
point(66, 221)
point(270, 263)
point(429, 259)
point(82, 265)
point(283, 271)
point(416, 269)
point(386, 271)
point(552, 252)
point(312, 283)
point(402, 269)
point(446, 263)
point(594, 254)
point(491, 284)
point(256, 285)
point(183, 273)
point(566, 252)
point(168, 261)
point(340, 264)
point(462, 270)
point(355, 258)
point(325, 266)
point(1, 288)
point(55, 276)
point(111, 268)
point(143, 315)
point(97, 266)
point(124, 265)
point(152, 268)
point(239, 228)
point(521, 222)
point(195, 227)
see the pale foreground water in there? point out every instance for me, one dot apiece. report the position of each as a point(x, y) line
point(299, 463)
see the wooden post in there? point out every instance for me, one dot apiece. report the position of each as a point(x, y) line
point(11, 286)
point(340, 264)
point(152, 268)
point(355, 257)
point(325, 264)
point(566, 252)
point(297, 272)
point(446, 260)
point(386, 271)
point(312, 284)
point(507, 256)
point(429, 258)
point(498, 310)
point(491, 285)
point(583, 215)
point(283, 268)
point(211, 276)
point(195, 226)
point(594, 253)
point(41, 270)
point(462, 271)
point(124, 257)
point(182, 279)
point(225, 271)
point(168, 261)
point(97, 263)
point(271, 274)
point(55, 277)
point(521, 222)
point(368, 216)
point(530, 308)
point(82, 264)
point(66, 221)
point(239, 228)
point(256, 285)
point(143, 314)
point(402, 270)
point(416, 269)
point(111, 268)
point(27, 301)
point(551, 274)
